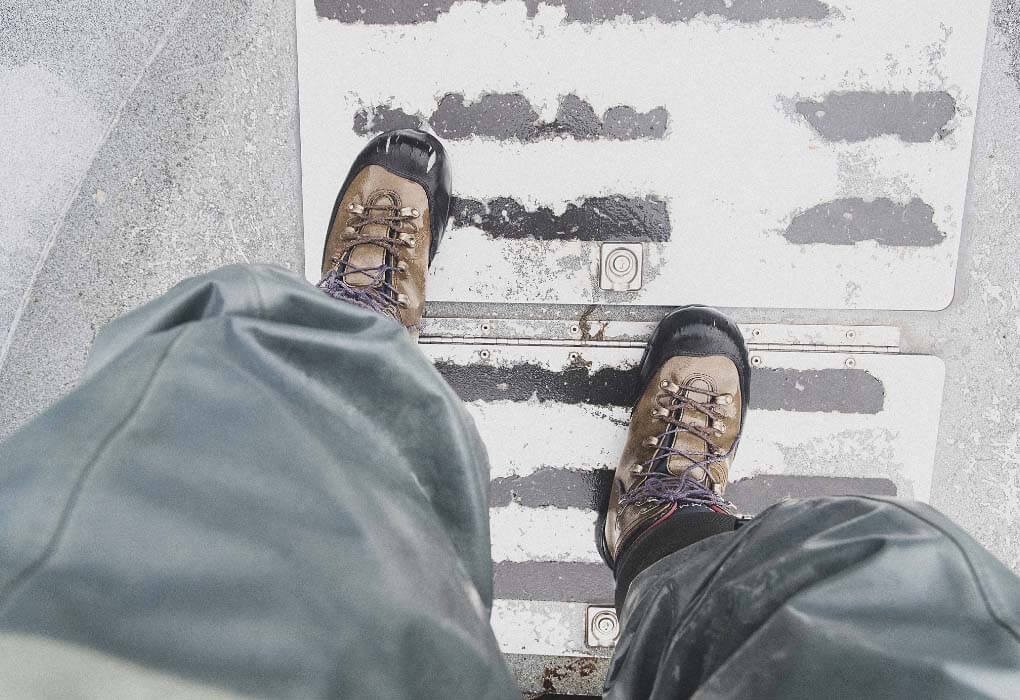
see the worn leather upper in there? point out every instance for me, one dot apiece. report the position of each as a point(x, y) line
point(374, 185)
point(712, 382)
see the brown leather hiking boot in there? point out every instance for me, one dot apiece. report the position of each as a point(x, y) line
point(387, 223)
point(684, 427)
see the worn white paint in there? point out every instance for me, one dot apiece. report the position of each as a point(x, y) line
point(736, 165)
point(541, 627)
point(897, 443)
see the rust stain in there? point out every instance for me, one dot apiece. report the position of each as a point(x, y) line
point(584, 323)
point(580, 668)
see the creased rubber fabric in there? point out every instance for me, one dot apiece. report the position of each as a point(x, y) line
point(824, 598)
point(257, 489)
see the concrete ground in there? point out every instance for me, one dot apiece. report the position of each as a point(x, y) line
point(142, 143)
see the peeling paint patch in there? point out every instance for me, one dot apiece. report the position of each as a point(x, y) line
point(586, 11)
point(611, 218)
point(825, 390)
point(572, 582)
point(589, 489)
point(382, 119)
point(511, 117)
point(852, 220)
point(856, 116)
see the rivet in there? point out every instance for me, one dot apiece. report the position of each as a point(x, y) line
point(851, 334)
point(484, 354)
point(850, 363)
point(755, 360)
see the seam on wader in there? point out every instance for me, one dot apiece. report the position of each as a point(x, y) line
point(253, 278)
point(72, 499)
point(963, 552)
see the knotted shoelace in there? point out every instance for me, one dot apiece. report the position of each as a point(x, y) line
point(379, 294)
point(683, 489)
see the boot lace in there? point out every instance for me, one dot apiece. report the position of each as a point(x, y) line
point(379, 294)
point(689, 487)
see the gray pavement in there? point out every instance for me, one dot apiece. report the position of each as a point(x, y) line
point(144, 142)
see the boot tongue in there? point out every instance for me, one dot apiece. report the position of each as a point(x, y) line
point(369, 255)
point(686, 441)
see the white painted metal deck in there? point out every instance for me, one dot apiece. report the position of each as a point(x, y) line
point(814, 163)
point(554, 420)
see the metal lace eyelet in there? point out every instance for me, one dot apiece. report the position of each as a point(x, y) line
point(719, 425)
point(669, 386)
point(402, 267)
point(349, 231)
point(356, 208)
point(659, 413)
point(406, 211)
point(636, 468)
point(724, 399)
point(651, 442)
point(402, 301)
point(408, 238)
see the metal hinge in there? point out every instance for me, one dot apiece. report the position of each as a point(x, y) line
point(759, 337)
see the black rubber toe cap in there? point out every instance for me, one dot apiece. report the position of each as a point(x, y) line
point(697, 331)
point(417, 156)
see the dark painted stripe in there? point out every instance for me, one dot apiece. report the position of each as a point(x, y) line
point(593, 582)
point(816, 390)
point(826, 390)
point(753, 495)
point(550, 486)
point(613, 218)
point(571, 582)
point(511, 117)
point(413, 12)
point(852, 220)
point(856, 116)
point(589, 489)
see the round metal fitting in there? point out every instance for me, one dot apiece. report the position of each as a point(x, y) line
point(603, 627)
point(620, 266)
point(756, 361)
point(850, 363)
point(484, 354)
